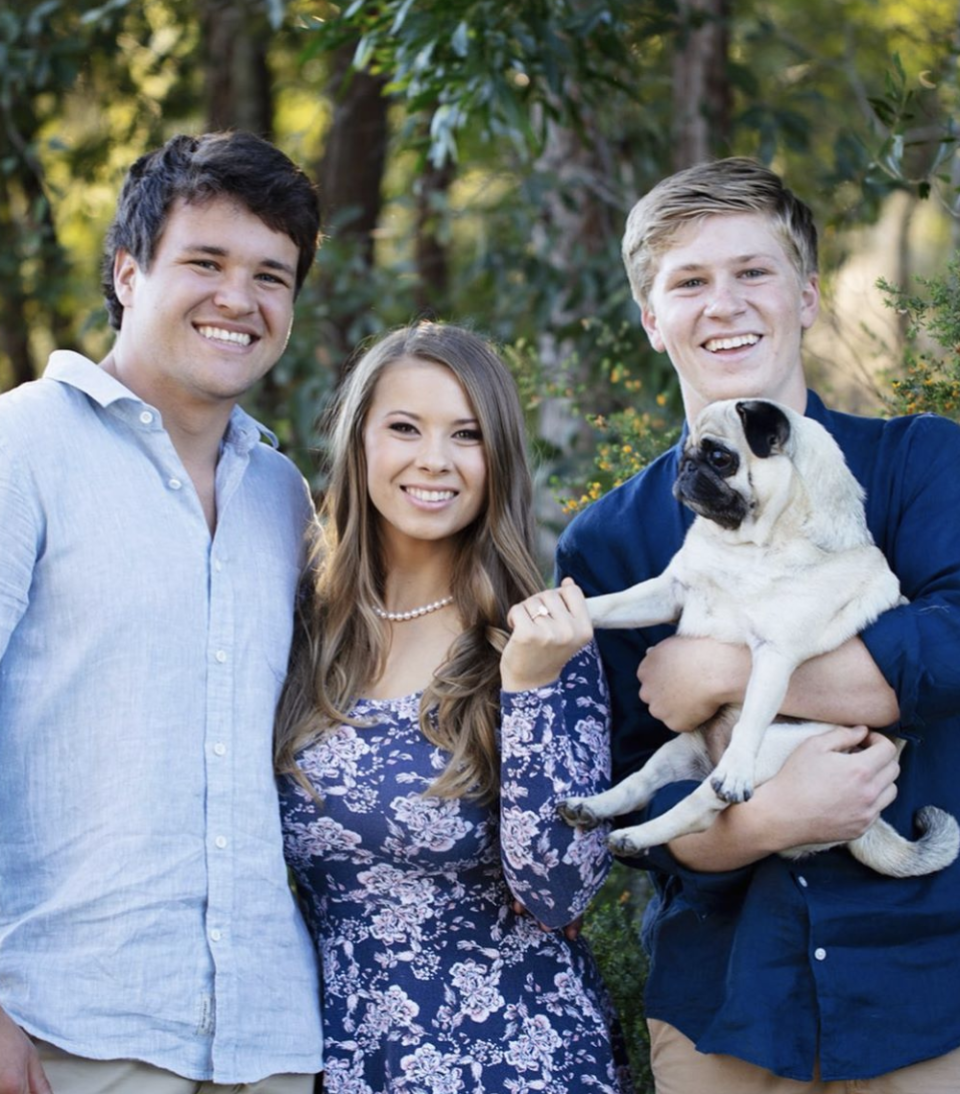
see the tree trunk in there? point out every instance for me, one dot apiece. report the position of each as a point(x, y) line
point(351, 180)
point(433, 263)
point(237, 80)
point(351, 171)
point(701, 90)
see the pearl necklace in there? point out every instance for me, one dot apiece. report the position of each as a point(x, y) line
point(414, 613)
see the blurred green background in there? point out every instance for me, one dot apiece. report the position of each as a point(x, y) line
point(476, 160)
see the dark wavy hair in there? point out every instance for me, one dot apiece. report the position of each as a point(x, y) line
point(235, 165)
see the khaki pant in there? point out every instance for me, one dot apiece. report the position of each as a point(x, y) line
point(679, 1069)
point(74, 1075)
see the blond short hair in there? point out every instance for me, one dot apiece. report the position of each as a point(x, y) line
point(721, 188)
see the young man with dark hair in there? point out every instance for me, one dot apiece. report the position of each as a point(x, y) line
point(767, 974)
point(150, 546)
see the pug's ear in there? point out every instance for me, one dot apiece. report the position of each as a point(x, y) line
point(765, 426)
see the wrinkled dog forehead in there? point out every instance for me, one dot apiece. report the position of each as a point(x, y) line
point(719, 421)
point(762, 425)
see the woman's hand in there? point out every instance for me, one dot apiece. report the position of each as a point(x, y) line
point(547, 630)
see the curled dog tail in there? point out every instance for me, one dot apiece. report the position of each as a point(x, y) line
point(883, 849)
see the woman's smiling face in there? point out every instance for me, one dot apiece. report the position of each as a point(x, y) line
point(425, 455)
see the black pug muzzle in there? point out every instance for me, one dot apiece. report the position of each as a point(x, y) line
point(701, 484)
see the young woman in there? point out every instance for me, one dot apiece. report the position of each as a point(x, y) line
point(439, 705)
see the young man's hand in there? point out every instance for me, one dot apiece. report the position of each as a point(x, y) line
point(20, 1068)
point(684, 681)
point(831, 789)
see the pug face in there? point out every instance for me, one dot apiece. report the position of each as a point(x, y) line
point(715, 478)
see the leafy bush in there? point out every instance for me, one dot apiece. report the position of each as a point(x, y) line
point(931, 353)
point(636, 428)
point(612, 925)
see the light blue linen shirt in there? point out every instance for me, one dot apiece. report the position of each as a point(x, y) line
point(144, 906)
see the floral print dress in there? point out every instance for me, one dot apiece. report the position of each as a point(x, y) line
point(432, 984)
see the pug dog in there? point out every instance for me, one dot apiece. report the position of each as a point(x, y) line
point(779, 559)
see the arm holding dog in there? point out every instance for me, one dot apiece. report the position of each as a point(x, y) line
point(823, 794)
point(684, 681)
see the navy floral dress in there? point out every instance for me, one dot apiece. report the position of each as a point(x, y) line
point(432, 984)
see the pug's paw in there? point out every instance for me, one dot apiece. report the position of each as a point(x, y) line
point(628, 842)
point(732, 785)
point(578, 814)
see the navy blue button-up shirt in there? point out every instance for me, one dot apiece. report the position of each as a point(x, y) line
point(782, 962)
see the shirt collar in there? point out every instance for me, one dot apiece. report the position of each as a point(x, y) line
point(815, 408)
point(75, 370)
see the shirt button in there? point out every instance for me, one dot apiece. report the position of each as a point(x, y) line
point(802, 882)
point(215, 935)
point(220, 748)
point(221, 656)
point(146, 417)
point(820, 953)
point(174, 484)
point(221, 842)
point(217, 565)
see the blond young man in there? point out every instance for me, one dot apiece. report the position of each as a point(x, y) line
point(770, 975)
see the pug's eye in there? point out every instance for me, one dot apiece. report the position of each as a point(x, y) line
point(722, 461)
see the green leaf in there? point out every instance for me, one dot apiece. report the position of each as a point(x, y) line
point(401, 17)
point(460, 41)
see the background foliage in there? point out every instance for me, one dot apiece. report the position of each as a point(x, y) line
point(476, 160)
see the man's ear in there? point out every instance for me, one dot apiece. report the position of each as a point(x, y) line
point(809, 302)
point(125, 271)
point(649, 321)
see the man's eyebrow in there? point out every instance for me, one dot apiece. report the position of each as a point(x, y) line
point(737, 260)
point(276, 264)
point(222, 252)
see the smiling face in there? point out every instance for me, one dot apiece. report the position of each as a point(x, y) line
point(730, 308)
point(425, 456)
point(211, 315)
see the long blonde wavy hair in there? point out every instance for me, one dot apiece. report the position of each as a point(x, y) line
point(340, 645)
